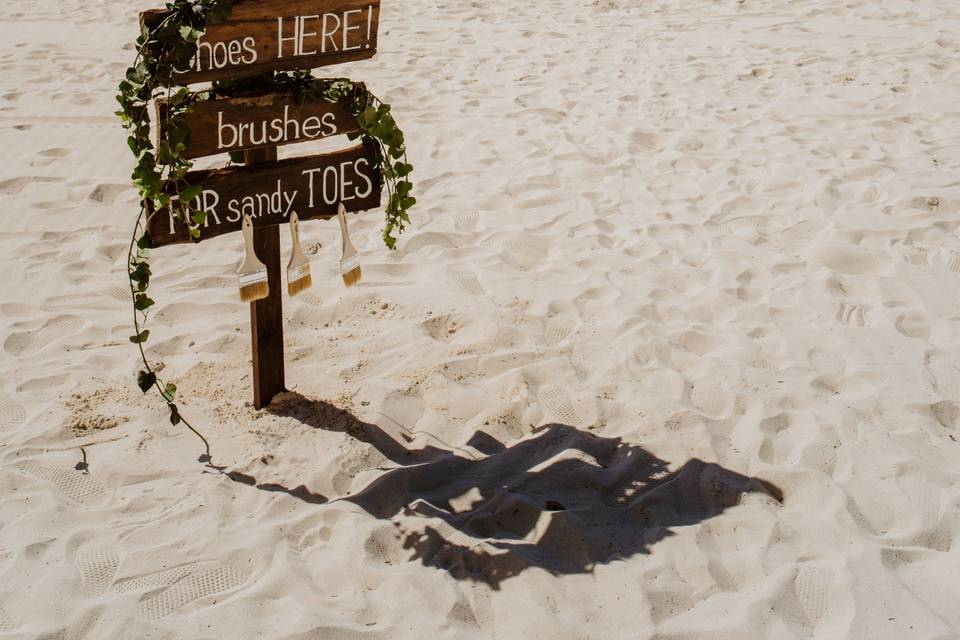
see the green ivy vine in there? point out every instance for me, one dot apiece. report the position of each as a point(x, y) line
point(161, 169)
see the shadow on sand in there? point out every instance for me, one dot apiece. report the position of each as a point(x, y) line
point(563, 499)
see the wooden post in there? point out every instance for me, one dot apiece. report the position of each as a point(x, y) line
point(266, 316)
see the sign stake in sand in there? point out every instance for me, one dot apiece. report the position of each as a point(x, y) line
point(262, 37)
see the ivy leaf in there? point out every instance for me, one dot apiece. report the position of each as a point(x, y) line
point(145, 380)
point(190, 34)
point(141, 337)
point(141, 303)
point(178, 98)
point(175, 418)
point(191, 192)
point(368, 118)
point(170, 392)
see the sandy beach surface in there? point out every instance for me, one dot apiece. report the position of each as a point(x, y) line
point(672, 350)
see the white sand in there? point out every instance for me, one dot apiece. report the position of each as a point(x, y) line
point(718, 231)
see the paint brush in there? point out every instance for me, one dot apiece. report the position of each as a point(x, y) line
point(252, 273)
point(350, 259)
point(298, 269)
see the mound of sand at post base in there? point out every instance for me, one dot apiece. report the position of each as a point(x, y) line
point(671, 261)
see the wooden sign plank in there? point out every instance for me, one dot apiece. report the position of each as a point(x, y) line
point(280, 35)
point(312, 186)
point(222, 125)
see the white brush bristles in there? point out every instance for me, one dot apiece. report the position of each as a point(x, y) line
point(252, 275)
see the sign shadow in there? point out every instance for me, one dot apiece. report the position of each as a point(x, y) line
point(563, 500)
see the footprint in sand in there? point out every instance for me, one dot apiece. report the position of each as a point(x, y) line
point(98, 565)
point(527, 245)
point(851, 259)
point(118, 293)
point(824, 361)
point(951, 261)
point(812, 586)
point(773, 448)
point(311, 299)
point(913, 325)
point(150, 582)
point(926, 497)
point(108, 193)
point(853, 315)
point(558, 402)
point(193, 587)
point(6, 621)
point(44, 388)
point(712, 399)
point(945, 369)
point(22, 343)
point(559, 329)
point(821, 454)
point(76, 486)
point(468, 282)
point(466, 220)
point(12, 413)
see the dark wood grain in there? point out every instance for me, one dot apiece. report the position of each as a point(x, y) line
point(266, 315)
point(251, 42)
point(255, 190)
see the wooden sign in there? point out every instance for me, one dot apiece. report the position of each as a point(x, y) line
point(280, 35)
point(263, 36)
point(312, 187)
point(223, 125)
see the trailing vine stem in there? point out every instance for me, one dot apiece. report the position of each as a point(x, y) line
point(160, 170)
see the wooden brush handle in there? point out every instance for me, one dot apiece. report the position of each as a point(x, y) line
point(342, 216)
point(295, 230)
point(248, 232)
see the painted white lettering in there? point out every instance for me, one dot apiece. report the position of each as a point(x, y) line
point(281, 39)
point(312, 127)
point(347, 29)
point(289, 198)
point(328, 33)
point(229, 128)
point(217, 50)
point(287, 122)
point(304, 34)
point(344, 183)
point(330, 122)
point(210, 201)
point(248, 206)
point(310, 190)
point(277, 126)
point(263, 130)
point(330, 179)
point(249, 45)
point(234, 49)
point(363, 176)
point(235, 214)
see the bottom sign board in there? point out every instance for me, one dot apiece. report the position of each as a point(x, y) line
point(311, 186)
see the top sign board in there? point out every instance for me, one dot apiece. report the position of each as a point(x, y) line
point(281, 35)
